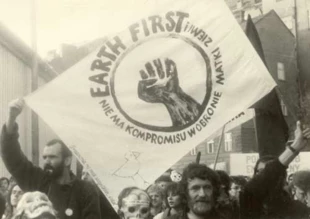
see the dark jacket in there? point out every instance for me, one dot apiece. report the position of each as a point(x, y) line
point(78, 198)
point(265, 198)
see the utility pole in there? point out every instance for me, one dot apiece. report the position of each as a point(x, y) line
point(34, 86)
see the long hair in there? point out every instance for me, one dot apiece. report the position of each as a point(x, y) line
point(175, 189)
point(9, 208)
point(264, 159)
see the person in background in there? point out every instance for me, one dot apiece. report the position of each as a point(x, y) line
point(301, 183)
point(175, 201)
point(4, 186)
point(237, 185)
point(156, 194)
point(289, 185)
point(223, 198)
point(12, 181)
point(14, 195)
point(134, 203)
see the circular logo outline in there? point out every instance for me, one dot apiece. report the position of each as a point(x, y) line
point(205, 100)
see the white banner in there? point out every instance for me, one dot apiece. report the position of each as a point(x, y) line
point(153, 91)
point(243, 164)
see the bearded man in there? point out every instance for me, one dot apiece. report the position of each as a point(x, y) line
point(71, 197)
point(201, 185)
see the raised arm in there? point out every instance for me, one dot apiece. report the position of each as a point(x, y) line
point(27, 175)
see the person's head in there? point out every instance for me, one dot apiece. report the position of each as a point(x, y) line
point(301, 183)
point(35, 205)
point(175, 198)
point(56, 158)
point(223, 198)
point(4, 183)
point(14, 195)
point(237, 184)
point(12, 180)
point(290, 178)
point(261, 163)
point(163, 181)
point(134, 203)
point(201, 186)
point(224, 180)
point(156, 194)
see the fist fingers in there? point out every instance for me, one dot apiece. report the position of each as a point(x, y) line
point(159, 68)
point(17, 103)
point(170, 67)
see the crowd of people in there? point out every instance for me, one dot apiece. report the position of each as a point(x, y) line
point(54, 192)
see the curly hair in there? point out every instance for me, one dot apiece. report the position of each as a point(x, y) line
point(203, 172)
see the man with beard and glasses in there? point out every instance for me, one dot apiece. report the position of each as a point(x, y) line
point(201, 186)
point(71, 197)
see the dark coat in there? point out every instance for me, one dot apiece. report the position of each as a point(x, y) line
point(78, 196)
point(265, 198)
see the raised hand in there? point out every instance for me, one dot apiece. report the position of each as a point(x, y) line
point(301, 137)
point(160, 84)
point(15, 108)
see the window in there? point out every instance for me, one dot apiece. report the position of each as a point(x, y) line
point(194, 151)
point(258, 1)
point(283, 107)
point(210, 147)
point(228, 142)
point(281, 71)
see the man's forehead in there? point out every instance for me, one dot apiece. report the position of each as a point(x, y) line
point(198, 181)
point(54, 149)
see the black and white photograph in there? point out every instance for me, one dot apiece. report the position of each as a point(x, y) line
point(155, 109)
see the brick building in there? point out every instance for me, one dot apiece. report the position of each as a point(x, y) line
point(242, 8)
point(279, 48)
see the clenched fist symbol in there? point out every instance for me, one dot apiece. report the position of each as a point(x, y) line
point(160, 84)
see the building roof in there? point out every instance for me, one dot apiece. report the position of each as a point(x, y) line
point(261, 17)
point(24, 53)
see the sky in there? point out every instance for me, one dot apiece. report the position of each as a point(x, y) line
point(64, 21)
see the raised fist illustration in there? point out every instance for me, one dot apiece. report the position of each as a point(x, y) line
point(160, 84)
